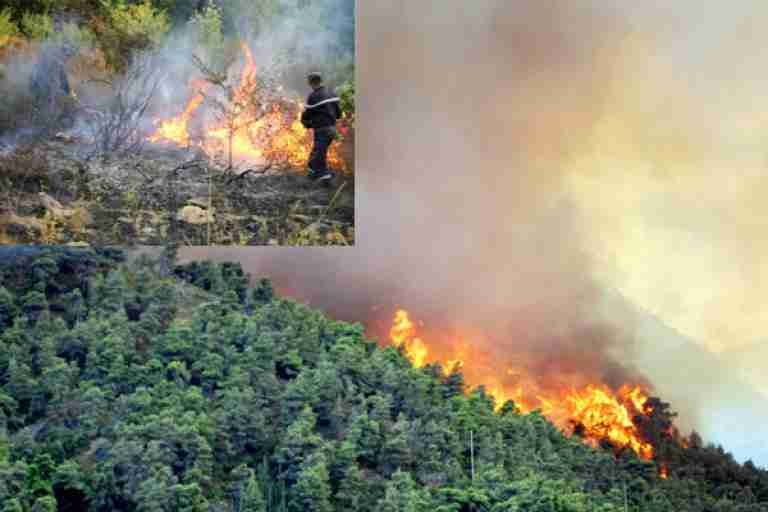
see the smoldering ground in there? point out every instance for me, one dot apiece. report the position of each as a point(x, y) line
point(486, 129)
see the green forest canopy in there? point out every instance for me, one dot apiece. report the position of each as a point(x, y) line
point(144, 387)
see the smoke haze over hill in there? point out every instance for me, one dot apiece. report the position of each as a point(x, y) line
point(520, 164)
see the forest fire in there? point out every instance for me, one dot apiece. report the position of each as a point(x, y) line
point(253, 126)
point(595, 411)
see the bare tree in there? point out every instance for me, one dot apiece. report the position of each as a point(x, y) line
point(119, 129)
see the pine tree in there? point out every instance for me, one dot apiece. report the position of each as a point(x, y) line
point(108, 293)
point(12, 505)
point(312, 492)
point(400, 495)
point(454, 383)
point(299, 441)
point(263, 293)
point(44, 504)
point(7, 308)
point(251, 498)
point(75, 307)
point(352, 493)
point(155, 494)
point(167, 260)
point(34, 305)
point(396, 454)
point(42, 269)
point(189, 498)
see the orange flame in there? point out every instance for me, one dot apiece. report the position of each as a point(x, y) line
point(605, 415)
point(596, 411)
point(253, 134)
point(403, 334)
point(175, 128)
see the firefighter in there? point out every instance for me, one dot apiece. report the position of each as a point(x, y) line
point(320, 114)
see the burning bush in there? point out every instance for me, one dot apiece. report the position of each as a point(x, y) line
point(249, 119)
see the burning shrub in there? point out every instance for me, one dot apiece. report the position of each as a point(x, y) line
point(247, 120)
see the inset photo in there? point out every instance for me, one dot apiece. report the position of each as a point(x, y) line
point(177, 122)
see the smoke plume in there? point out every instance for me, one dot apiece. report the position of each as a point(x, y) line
point(521, 166)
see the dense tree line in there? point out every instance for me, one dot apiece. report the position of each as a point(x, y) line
point(126, 387)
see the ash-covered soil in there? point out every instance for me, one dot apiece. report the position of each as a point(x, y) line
point(52, 194)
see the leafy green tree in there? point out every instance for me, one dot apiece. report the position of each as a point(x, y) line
point(132, 27)
point(37, 26)
point(8, 27)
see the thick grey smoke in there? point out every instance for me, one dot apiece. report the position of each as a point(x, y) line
point(471, 115)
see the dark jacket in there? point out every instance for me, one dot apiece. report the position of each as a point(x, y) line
point(322, 109)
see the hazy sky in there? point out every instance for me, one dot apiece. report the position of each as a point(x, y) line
point(673, 183)
point(519, 162)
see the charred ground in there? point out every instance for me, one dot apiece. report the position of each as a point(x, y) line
point(51, 195)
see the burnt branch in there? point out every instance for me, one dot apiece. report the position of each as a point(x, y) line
point(243, 174)
point(118, 130)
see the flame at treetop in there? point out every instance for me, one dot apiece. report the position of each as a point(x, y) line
point(593, 410)
point(403, 334)
point(256, 128)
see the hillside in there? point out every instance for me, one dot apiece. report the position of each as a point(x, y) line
point(126, 388)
